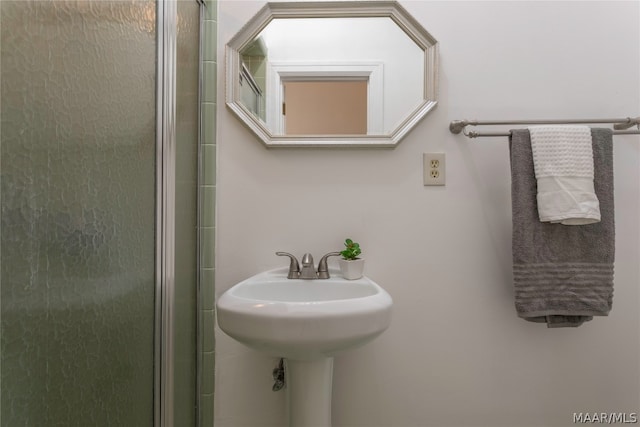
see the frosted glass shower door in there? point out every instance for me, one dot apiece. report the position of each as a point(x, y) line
point(78, 168)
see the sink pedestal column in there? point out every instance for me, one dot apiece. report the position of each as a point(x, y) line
point(309, 385)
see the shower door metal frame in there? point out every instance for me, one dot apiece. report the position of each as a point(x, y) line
point(166, 12)
point(167, 33)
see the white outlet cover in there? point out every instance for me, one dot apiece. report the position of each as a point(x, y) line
point(434, 179)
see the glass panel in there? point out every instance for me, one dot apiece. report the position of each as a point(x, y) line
point(78, 212)
point(186, 225)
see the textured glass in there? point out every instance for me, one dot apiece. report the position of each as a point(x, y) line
point(78, 213)
point(186, 224)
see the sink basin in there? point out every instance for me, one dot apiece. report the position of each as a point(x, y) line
point(304, 319)
point(306, 322)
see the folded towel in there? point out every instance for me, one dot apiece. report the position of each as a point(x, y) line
point(563, 163)
point(562, 275)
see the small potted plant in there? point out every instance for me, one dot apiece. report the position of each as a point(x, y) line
point(351, 265)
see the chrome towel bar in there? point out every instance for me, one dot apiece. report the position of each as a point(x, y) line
point(458, 126)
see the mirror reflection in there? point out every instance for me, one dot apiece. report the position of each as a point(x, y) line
point(332, 76)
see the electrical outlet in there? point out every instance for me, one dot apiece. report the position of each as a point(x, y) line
point(434, 168)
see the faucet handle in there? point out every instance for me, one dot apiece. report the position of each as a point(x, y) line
point(294, 267)
point(323, 270)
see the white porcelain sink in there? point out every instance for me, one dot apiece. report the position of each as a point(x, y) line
point(304, 319)
point(306, 322)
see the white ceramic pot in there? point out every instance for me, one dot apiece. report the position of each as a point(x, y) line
point(352, 269)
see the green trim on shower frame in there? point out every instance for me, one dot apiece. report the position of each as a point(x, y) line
point(207, 193)
point(205, 214)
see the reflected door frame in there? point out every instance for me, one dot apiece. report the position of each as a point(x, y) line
point(278, 72)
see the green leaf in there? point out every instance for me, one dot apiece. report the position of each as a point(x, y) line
point(351, 251)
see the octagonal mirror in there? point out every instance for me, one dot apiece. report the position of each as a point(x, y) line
point(349, 73)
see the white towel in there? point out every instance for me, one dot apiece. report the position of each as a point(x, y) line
point(563, 164)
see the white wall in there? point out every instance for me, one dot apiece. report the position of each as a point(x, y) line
point(456, 353)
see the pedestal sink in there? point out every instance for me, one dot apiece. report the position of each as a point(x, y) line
point(307, 322)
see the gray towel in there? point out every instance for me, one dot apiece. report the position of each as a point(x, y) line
point(563, 275)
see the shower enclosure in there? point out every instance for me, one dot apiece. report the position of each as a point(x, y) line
point(99, 213)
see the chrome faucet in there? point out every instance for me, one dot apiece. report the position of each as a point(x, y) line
point(308, 271)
